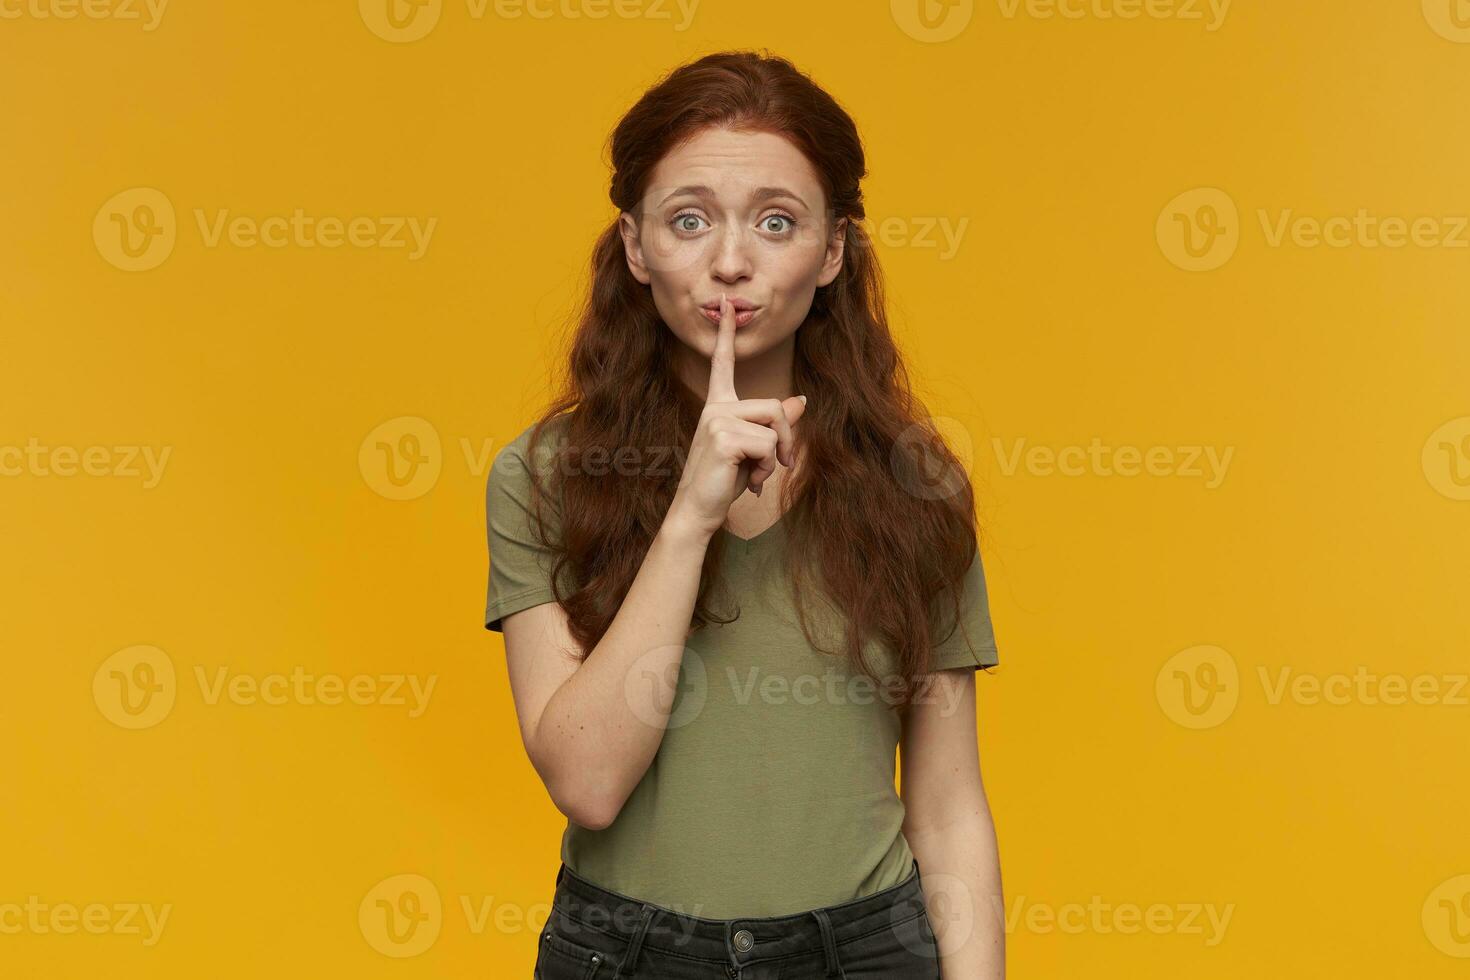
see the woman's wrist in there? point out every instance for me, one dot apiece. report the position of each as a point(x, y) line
point(679, 529)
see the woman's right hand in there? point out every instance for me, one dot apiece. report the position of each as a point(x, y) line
point(736, 444)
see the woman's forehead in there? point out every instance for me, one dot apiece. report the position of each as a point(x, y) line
point(735, 168)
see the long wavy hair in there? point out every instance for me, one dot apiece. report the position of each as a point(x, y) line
point(879, 509)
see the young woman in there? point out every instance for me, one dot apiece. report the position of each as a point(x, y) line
point(712, 682)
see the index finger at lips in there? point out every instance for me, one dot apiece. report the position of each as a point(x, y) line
point(722, 363)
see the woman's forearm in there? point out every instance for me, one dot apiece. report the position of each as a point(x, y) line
point(959, 864)
point(603, 726)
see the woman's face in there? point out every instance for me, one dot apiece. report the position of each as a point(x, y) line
point(739, 213)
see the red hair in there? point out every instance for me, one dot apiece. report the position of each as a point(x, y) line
point(879, 535)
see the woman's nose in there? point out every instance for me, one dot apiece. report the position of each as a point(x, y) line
point(731, 259)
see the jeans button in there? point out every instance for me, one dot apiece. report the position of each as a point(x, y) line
point(744, 940)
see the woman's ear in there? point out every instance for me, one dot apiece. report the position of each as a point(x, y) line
point(832, 264)
point(632, 248)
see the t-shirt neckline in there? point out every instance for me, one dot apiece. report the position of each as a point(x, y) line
point(749, 544)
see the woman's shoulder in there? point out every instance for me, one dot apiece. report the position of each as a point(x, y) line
point(527, 459)
point(528, 445)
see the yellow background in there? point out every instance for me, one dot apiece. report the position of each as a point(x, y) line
point(1336, 540)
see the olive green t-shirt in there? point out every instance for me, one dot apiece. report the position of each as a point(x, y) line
point(773, 789)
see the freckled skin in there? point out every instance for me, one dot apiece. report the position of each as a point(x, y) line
point(731, 243)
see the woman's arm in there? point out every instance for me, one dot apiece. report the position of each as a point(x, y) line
point(947, 824)
point(592, 729)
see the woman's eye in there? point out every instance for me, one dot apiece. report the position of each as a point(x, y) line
point(690, 223)
point(790, 223)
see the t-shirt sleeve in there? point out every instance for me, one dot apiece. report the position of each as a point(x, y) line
point(520, 564)
point(972, 642)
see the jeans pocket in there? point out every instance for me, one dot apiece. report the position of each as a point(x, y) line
point(564, 953)
point(902, 950)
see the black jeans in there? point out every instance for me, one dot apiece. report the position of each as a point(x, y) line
point(596, 934)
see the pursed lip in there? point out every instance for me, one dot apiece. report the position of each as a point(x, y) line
point(742, 317)
point(735, 301)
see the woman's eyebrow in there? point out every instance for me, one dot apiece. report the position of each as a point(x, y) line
point(759, 194)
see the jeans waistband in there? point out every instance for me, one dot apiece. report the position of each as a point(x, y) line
point(644, 925)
